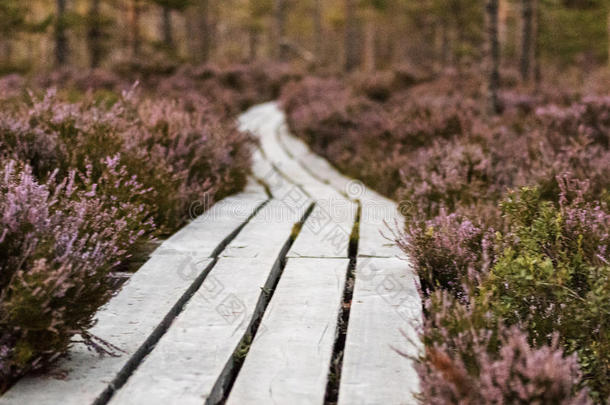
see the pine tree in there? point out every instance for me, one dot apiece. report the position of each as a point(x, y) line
point(526, 38)
point(279, 18)
point(168, 6)
point(61, 38)
point(493, 55)
point(94, 34)
point(352, 59)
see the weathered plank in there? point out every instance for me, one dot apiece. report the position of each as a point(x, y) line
point(141, 310)
point(191, 356)
point(293, 145)
point(378, 219)
point(314, 164)
point(174, 267)
point(327, 231)
point(265, 234)
point(378, 213)
point(205, 233)
point(289, 359)
point(267, 133)
point(385, 302)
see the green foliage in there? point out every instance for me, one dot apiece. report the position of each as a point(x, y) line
point(547, 279)
point(569, 33)
point(14, 19)
point(12, 15)
point(514, 283)
point(85, 186)
point(464, 18)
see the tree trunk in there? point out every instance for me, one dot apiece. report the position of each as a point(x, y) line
point(318, 30)
point(351, 40)
point(369, 44)
point(205, 31)
point(609, 36)
point(134, 27)
point(166, 27)
point(494, 55)
point(459, 22)
point(94, 34)
point(279, 17)
point(536, 40)
point(526, 38)
point(61, 39)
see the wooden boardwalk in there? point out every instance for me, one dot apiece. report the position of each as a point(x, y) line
point(287, 293)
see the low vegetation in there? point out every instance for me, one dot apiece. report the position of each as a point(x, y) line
point(507, 223)
point(91, 176)
point(494, 137)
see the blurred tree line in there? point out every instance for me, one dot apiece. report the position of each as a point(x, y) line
point(334, 34)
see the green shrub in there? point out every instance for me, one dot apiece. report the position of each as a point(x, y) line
point(552, 276)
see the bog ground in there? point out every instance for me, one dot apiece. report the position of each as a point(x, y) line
point(289, 292)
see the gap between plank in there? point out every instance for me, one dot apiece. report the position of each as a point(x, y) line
point(222, 388)
point(308, 170)
point(280, 172)
point(336, 362)
point(136, 359)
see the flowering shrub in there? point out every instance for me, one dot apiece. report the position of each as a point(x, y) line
point(448, 252)
point(590, 117)
point(179, 154)
point(515, 279)
point(553, 276)
point(59, 244)
point(203, 153)
point(471, 358)
point(84, 187)
point(359, 135)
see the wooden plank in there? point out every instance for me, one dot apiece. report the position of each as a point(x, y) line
point(253, 118)
point(203, 235)
point(293, 145)
point(378, 219)
point(191, 356)
point(385, 301)
point(327, 231)
point(317, 165)
point(154, 290)
point(267, 132)
point(377, 211)
point(289, 359)
point(265, 234)
point(127, 321)
point(279, 185)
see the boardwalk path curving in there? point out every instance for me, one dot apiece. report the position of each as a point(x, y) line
point(287, 293)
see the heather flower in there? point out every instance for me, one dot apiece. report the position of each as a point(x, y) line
point(518, 373)
point(84, 187)
point(448, 252)
point(589, 117)
point(471, 358)
point(59, 245)
point(552, 276)
point(536, 257)
point(178, 154)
